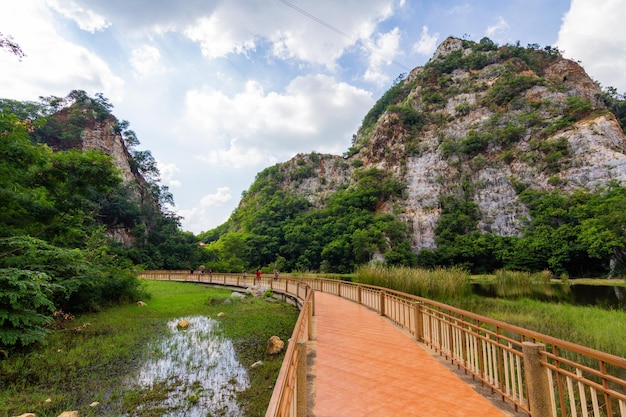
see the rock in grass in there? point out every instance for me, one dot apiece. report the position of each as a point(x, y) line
point(69, 414)
point(141, 304)
point(275, 345)
point(27, 415)
point(183, 324)
point(257, 364)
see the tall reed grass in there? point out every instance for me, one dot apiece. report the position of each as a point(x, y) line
point(512, 284)
point(439, 284)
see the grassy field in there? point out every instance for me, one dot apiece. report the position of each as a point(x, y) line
point(88, 359)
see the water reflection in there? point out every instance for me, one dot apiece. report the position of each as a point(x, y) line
point(199, 367)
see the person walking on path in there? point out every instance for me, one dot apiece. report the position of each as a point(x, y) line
point(258, 276)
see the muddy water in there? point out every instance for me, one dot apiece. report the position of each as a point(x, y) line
point(198, 366)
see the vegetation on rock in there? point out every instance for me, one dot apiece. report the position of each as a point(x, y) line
point(484, 118)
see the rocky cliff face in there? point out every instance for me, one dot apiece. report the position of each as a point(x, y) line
point(93, 132)
point(104, 137)
point(478, 122)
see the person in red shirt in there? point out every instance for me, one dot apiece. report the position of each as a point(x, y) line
point(258, 276)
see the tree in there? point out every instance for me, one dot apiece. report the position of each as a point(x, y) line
point(7, 42)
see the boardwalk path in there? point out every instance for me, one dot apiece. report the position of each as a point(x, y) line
point(365, 366)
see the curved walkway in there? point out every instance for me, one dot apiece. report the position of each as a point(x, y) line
point(363, 365)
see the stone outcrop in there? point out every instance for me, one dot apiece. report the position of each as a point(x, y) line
point(275, 345)
point(495, 126)
point(103, 136)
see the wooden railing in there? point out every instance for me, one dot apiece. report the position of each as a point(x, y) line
point(538, 374)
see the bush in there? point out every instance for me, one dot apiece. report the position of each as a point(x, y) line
point(25, 306)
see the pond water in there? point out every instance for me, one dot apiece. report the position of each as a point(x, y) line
point(584, 295)
point(197, 367)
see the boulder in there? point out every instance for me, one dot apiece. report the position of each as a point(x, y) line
point(183, 324)
point(275, 345)
point(221, 314)
point(236, 294)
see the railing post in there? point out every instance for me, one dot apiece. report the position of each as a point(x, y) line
point(382, 303)
point(358, 294)
point(301, 380)
point(537, 381)
point(339, 288)
point(310, 319)
point(419, 322)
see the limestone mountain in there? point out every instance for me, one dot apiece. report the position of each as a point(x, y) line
point(468, 138)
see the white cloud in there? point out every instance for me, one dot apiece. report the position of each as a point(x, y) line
point(200, 219)
point(591, 32)
point(67, 66)
point(237, 157)
point(382, 53)
point(146, 62)
point(500, 26)
point(211, 211)
point(427, 44)
point(86, 19)
point(223, 195)
point(218, 39)
point(461, 9)
point(168, 171)
point(314, 112)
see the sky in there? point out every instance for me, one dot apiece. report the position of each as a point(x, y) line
point(218, 90)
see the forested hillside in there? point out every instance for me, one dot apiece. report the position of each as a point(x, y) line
point(74, 227)
point(487, 157)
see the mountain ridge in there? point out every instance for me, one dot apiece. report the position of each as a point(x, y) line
point(474, 127)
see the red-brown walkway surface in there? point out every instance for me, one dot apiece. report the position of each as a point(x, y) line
point(366, 366)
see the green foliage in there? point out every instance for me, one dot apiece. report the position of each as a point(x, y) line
point(25, 306)
point(508, 86)
point(57, 207)
point(578, 234)
point(555, 153)
point(532, 56)
point(394, 95)
point(84, 279)
point(577, 108)
point(410, 118)
point(272, 225)
point(616, 103)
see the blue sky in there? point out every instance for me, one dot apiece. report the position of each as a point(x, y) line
point(218, 90)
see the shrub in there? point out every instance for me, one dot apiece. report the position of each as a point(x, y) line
point(25, 306)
